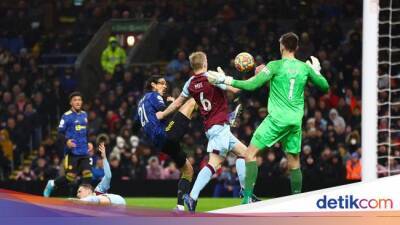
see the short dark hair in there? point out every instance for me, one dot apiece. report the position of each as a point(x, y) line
point(88, 186)
point(152, 79)
point(74, 94)
point(290, 41)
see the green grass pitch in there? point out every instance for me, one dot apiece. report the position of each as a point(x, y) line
point(203, 205)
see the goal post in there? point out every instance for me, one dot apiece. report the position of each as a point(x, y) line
point(369, 90)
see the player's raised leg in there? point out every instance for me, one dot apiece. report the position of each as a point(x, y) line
point(175, 130)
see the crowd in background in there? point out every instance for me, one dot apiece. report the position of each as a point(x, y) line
point(33, 98)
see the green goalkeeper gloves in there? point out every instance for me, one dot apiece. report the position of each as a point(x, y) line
point(314, 64)
point(219, 77)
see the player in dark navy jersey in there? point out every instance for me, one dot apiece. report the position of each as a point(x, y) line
point(73, 132)
point(166, 135)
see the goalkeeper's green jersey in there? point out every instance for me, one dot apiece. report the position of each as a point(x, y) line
point(288, 78)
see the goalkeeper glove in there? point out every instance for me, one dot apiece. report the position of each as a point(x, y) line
point(219, 77)
point(314, 64)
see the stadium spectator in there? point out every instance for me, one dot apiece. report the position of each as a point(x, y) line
point(270, 167)
point(154, 170)
point(227, 183)
point(171, 172)
point(26, 174)
point(118, 148)
point(134, 169)
point(176, 65)
point(41, 171)
point(6, 145)
point(353, 168)
point(338, 122)
point(54, 167)
point(40, 155)
point(116, 169)
point(112, 56)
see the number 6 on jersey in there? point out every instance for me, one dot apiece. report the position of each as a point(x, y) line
point(205, 102)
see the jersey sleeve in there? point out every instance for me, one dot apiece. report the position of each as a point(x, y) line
point(257, 81)
point(158, 102)
point(62, 127)
point(104, 184)
point(221, 86)
point(318, 80)
point(185, 89)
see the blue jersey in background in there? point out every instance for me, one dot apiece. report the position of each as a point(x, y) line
point(73, 125)
point(148, 106)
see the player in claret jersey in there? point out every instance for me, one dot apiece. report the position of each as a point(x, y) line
point(213, 106)
point(288, 78)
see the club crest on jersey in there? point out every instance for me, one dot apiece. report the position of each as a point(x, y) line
point(79, 127)
point(170, 125)
point(160, 99)
point(199, 85)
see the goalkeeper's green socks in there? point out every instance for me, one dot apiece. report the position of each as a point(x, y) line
point(250, 180)
point(296, 180)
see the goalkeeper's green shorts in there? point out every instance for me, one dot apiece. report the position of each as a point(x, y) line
point(271, 131)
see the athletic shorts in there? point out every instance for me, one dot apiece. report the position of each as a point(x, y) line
point(115, 199)
point(174, 132)
point(220, 140)
point(76, 164)
point(271, 131)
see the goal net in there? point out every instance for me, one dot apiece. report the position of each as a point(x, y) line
point(388, 93)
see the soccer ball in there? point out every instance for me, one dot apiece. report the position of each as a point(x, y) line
point(244, 62)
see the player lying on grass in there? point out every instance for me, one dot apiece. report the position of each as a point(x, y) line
point(213, 106)
point(99, 195)
point(288, 78)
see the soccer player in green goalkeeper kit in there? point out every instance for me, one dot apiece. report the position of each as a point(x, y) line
point(288, 78)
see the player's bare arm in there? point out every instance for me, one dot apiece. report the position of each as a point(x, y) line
point(175, 105)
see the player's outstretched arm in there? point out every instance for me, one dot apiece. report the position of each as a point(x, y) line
point(175, 105)
point(315, 75)
point(216, 80)
point(233, 89)
point(104, 184)
point(249, 85)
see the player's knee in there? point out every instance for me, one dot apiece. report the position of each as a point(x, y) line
point(188, 108)
point(293, 161)
point(215, 165)
point(187, 171)
point(250, 154)
point(70, 176)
